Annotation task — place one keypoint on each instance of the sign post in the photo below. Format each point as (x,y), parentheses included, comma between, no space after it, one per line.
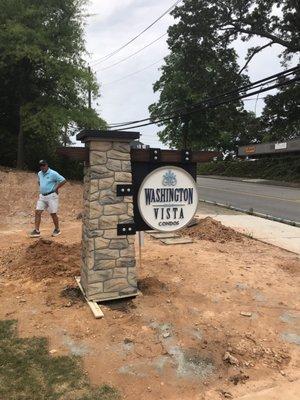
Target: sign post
(127,191)
(141,243)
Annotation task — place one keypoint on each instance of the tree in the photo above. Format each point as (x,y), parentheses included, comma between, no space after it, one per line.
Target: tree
(275,21)
(201,65)
(44,77)
(280,117)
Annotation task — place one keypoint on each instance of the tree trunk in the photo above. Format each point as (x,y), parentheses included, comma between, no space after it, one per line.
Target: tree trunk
(20,155)
(65,136)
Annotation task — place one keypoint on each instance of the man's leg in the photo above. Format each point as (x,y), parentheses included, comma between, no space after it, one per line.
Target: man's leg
(53,208)
(38,214)
(55,220)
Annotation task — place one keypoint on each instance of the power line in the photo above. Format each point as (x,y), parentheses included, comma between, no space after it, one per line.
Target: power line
(107,56)
(119,124)
(201,103)
(133,73)
(254,99)
(212,105)
(252,85)
(133,54)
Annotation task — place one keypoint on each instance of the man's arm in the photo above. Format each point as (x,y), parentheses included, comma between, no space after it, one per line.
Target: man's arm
(60,181)
(59,185)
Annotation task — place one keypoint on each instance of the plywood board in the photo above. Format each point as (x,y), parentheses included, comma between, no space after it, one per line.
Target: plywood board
(176,241)
(164,235)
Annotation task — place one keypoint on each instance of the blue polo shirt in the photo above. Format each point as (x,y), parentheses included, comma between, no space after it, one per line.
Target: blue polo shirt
(48,180)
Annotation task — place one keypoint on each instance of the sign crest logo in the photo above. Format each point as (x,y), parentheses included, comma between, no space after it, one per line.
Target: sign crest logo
(169,179)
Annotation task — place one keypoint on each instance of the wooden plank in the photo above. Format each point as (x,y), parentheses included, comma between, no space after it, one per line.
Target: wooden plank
(142,155)
(96,310)
(176,241)
(164,235)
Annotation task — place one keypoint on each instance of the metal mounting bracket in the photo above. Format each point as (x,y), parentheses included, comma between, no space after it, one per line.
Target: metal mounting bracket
(126,229)
(155,155)
(186,156)
(124,190)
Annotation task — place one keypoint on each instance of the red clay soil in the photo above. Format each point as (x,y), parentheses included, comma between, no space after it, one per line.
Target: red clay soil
(212,230)
(19,193)
(42,259)
(151,285)
(217,318)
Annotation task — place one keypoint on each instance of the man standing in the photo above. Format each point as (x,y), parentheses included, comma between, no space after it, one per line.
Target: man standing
(49,182)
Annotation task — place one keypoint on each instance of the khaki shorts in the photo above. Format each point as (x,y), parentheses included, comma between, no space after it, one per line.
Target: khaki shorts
(49,203)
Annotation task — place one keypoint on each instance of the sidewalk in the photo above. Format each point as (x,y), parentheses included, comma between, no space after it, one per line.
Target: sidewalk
(285,236)
(252,180)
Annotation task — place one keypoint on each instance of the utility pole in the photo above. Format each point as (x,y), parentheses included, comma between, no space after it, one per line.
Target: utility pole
(89,90)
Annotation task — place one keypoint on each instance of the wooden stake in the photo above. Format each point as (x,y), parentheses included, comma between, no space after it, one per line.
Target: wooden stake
(96,310)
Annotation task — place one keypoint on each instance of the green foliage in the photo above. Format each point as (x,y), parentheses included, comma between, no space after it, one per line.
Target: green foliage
(277,21)
(203,64)
(44,79)
(281,169)
(8,329)
(281,115)
(28,372)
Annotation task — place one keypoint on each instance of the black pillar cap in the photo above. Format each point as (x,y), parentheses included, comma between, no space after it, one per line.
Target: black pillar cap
(95,134)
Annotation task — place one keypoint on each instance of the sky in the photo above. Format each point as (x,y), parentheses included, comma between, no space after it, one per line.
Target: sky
(126,95)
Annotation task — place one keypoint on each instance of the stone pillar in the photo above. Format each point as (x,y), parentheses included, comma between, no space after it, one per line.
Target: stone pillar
(108,270)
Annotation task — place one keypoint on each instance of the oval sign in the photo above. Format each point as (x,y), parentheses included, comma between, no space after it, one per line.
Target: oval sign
(168,199)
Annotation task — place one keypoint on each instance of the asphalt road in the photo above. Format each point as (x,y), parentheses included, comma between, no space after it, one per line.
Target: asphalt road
(278,201)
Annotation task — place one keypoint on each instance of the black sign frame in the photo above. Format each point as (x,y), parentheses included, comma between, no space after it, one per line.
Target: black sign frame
(140,169)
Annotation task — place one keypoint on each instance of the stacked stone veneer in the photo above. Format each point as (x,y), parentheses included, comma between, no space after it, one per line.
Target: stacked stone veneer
(108,270)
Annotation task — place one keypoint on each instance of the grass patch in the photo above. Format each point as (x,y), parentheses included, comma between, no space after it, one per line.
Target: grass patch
(8,329)
(29,372)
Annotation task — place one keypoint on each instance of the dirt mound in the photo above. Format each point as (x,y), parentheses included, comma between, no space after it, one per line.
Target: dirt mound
(122,305)
(210,229)
(19,193)
(72,293)
(42,259)
(151,285)
(291,266)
